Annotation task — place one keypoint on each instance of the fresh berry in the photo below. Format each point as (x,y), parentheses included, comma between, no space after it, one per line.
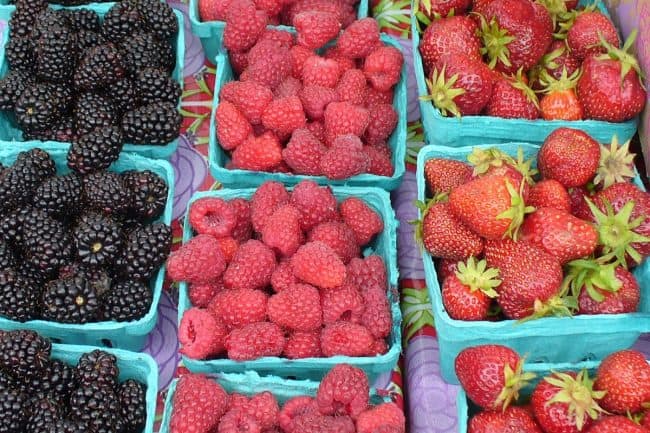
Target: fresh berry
(382,416)
(442,175)
(339,237)
(376,316)
(343,391)
(316,263)
(296,308)
(616,424)
(368,273)
(557,157)
(284,115)
(383,120)
(251,267)
(198,261)
(232,127)
(315,28)
(303,152)
(549,193)
(316,204)
(243,227)
(261,153)
(315,99)
(254,341)
(362,219)
(200,334)
(604,292)
(239,307)
(347,339)
(625,378)
(201,294)
(250,98)
(213,10)
(584,36)
(319,71)
(467,293)
(343,118)
(199,403)
(512,99)
(294,408)
(352,87)
(244,25)
(359,39)
(449,35)
(513,418)
(345,158)
(302,345)
(383,67)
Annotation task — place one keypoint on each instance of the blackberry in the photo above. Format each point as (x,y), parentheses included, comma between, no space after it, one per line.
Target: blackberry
(98,368)
(155,85)
(24,353)
(149,193)
(123,95)
(46,243)
(7,381)
(49,21)
(42,413)
(56,382)
(98,240)
(21,23)
(13,414)
(105,191)
(96,150)
(11,225)
(71,300)
(37,108)
(38,160)
(98,278)
(34,7)
(127,301)
(98,407)
(64,130)
(55,55)
(83,19)
(157,123)
(59,196)
(145,251)
(93,111)
(7,257)
(64,95)
(144,50)
(33,275)
(12,87)
(121,21)
(159,18)
(99,67)
(130,222)
(18,298)
(133,405)
(87,39)
(65,426)
(20,54)
(20,181)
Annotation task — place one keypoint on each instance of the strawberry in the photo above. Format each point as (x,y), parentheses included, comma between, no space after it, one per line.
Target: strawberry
(579,205)
(342,118)
(616,164)
(282,230)
(315,28)
(383,67)
(560,101)
(251,268)
(352,87)
(616,424)
(491,375)
(364,221)
(513,419)
(284,115)
(232,126)
(511,98)
(445,268)
(467,294)
(289,87)
(558,57)
(339,237)
(316,204)
(444,8)
(610,88)
(213,10)
(608,289)
(493,162)
(490,206)
(315,99)
(530,279)
(319,71)
(560,234)
(645,422)
(543,16)
(317,264)
(258,153)
(383,120)
(345,158)
(584,36)
(297,308)
(249,97)
(304,152)
(444,236)
(244,26)
(625,378)
(442,175)
(452,35)
(380,160)
(566,402)
(569,156)
(459,85)
(549,193)
(359,39)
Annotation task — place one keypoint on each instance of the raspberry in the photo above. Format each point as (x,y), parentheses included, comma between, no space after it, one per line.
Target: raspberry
(352,87)
(283,277)
(238,421)
(343,391)
(199,403)
(383,67)
(269,63)
(359,39)
(346,338)
(377,315)
(368,273)
(201,294)
(198,261)
(232,127)
(289,87)
(271,7)
(228,247)
(254,341)
(251,268)
(343,118)
(268,197)
(375,97)
(212,216)
(316,423)
(383,120)
(319,71)
(315,29)
(297,308)
(236,308)
(303,345)
(304,152)
(282,231)
(318,129)
(363,220)
(258,153)
(315,99)
(200,334)
(549,193)
(380,163)
(338,237)
(295,408)
(345,158)
(386,414)
(284,115)
(282,36)
(316,204)
(243,227)
(214,10)
(331,6)
(317,264)
(379,348)
(345,63)
(249,97)
(344,303)
(263,407)
(237,401)
(238,61)
(299,56)
(244,26)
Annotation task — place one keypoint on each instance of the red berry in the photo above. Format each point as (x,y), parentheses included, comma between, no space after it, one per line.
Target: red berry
(254,341)
(352,87)
(232,127)
(318,129)
(345,63)
(269,63)
(283,278)
(317,264)
(347,339)
(250,98)
(549,193)
(359,39)
(243,227)
(236,308)
(296,308)
(374,97)
(294,408)
(345,158)
(383,67)
(377,315)
(383,415)
(344,303)
(318,71)
(282,36)
(264,408)
(289,87)
(244,26)
(238,61)
(343,391)
(380,162)
(299,56)
(339,237)
(362,219)
(380,347)
(368,273)
(201,294)
(342,118)
(251,268)
(200,334)
(272,8)
(303,345)
(383,120)
(198,403)
(304,152)
(316,423)
(213,10)
(282,231)
(212,216)
(284,115)
(198,261)
(317,204)
(258,153)
(315,29)
(335,7)
(315,99)
(268,197)
(238,421)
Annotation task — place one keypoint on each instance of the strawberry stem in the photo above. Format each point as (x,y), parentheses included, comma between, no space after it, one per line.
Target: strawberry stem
(578,393)
(495,42)
(442,92)
(616,164)
(516,212)
(483,159)
(627,60)
(515,380)
(593,275)
(477,276)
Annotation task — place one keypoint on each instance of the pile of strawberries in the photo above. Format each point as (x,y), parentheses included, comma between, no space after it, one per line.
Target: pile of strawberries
(295,111)
(496,58)
(614,401)
(561,245)
(341,405)
(283,274)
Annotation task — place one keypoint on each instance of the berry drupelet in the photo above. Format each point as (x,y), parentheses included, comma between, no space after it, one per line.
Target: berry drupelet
(96,150)
(59,196)
(157,123)
(98,239)
(18,297)
(132,395)
(24,353)
(149,193)
(146,249)
(98,367)
(70,300)
(105,191)
(127,301)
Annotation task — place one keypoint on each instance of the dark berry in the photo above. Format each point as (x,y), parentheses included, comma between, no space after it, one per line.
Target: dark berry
(133,405)
(83,19)
(98,407)
(55,55)
(63,130)
(155,85)
(149,193)
(99,67)
(21,23)
(98,368)
(144,50)
(43,412)
(123,95)
(71,300)
(37,108)
(7,256)
(66,426)
(46,243)
(91,111)
(11,225)
(159,18)
(13,411)
(98,278)
(18,298)
(20,54)
(59,196)
(105,191)
(87,39)
(157,123)
(146,249)
(121,21)
(56,382)
(96,150)
(24,353)
(12,87)
(98,239)
(127,301)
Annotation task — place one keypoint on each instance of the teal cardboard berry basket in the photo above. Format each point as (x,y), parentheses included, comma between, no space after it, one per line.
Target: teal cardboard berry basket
(245,179)
(472,130)
(123,335)
(250,383)
(10,132)
(552,339)
(137,366)
(211,32)
(385,245)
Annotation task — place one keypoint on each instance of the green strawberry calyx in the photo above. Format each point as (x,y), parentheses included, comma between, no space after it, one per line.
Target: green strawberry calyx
(593,275)
(616,164)
(566,20)
(442,92)
(495,42)
(525,167)
(514,381)
(616,232)
(516,212)
(555,8)
(482,159)
(627,60)
(551,84)
(555,306)
(477,276)
(578,394)
(517,81)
